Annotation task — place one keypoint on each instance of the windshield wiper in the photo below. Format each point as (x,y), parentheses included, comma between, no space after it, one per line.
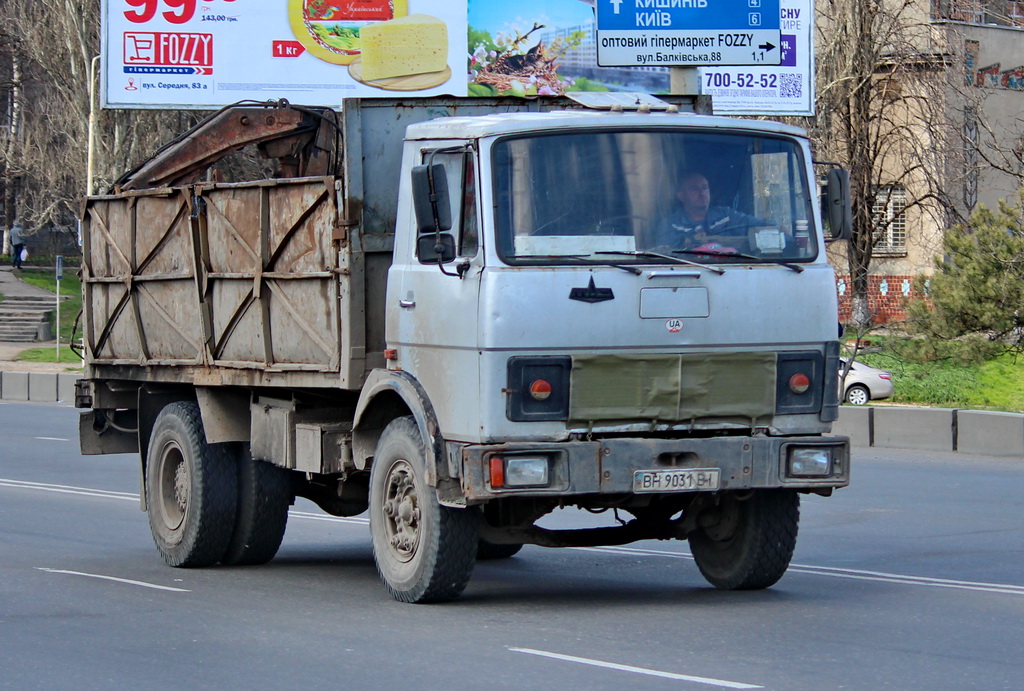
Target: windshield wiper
(739,255)
(659,255)
(583,260)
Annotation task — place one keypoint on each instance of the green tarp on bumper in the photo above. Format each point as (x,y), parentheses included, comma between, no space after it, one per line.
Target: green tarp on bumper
(671,388)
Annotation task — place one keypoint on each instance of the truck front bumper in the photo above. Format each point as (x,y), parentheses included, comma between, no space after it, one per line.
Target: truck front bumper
(616,466)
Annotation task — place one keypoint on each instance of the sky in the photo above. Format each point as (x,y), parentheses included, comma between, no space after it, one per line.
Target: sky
(500,15)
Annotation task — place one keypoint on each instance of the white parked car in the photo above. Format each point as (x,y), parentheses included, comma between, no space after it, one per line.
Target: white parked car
(864,383)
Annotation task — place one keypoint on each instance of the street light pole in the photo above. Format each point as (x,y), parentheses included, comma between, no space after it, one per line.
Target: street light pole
(91,159)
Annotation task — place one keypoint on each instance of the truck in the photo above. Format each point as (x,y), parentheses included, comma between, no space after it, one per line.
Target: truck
(457,315)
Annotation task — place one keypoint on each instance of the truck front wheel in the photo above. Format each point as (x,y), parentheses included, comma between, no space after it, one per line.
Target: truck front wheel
(424,552)
(191,488)
(746,543)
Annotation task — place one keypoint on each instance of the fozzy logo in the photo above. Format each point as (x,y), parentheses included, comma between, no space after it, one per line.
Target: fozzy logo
(169,49)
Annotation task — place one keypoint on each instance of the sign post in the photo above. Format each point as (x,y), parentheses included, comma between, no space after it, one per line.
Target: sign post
(56,326)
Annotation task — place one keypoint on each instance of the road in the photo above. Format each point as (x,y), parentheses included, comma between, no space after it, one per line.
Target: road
(911,578)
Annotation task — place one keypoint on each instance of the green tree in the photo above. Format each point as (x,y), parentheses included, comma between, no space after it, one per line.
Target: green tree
(977,292)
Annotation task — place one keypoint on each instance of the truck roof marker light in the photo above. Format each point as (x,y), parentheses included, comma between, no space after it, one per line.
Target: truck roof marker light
(391,354)
(799,383)
(540,389)
(497,468)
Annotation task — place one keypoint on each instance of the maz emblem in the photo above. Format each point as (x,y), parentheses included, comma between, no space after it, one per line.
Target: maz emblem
(591,293)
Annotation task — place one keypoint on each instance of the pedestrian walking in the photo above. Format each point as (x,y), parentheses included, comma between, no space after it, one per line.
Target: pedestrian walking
(17,243)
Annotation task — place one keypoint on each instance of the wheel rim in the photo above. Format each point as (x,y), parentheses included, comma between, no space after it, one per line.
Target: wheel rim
(857,396)
(722,524)
(174,487)
(401,509)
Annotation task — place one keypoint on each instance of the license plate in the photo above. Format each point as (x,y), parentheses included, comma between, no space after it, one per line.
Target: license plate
(677,480)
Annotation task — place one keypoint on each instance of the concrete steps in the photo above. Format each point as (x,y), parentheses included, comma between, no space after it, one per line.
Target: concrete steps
(24,319)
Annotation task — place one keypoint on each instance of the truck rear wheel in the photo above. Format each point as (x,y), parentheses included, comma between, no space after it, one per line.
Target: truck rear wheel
(746,544)
(191,489)
(424,552)
(264,495)
(487,551)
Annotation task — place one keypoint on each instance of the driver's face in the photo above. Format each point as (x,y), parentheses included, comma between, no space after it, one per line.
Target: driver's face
(695,194)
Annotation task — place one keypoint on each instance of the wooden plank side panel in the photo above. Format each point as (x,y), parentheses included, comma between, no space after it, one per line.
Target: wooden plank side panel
(140,289)
(237,327)
(114,335)
(304,305)
(233,257)
(272,284)
(105,271)
(165,290)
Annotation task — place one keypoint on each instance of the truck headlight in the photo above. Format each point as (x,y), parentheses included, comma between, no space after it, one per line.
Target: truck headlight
(810,462)
(519,471)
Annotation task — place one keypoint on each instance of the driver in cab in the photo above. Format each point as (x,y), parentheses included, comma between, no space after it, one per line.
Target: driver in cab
(694,220)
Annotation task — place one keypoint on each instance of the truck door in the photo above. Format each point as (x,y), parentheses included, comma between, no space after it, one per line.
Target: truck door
(435,325)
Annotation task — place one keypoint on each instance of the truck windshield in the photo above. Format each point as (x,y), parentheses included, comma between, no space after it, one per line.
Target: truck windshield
(648,196)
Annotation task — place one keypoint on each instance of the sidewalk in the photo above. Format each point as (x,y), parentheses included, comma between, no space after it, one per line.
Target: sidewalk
(12,286)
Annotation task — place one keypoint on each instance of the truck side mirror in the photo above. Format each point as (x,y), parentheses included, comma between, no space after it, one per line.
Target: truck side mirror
(836,207)
(430,198)
(433,248)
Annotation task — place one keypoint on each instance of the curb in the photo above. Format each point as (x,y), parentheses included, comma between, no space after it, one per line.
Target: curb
(39,387)
(934,429)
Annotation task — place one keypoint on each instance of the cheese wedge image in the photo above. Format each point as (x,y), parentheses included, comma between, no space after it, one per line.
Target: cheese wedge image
(414,44)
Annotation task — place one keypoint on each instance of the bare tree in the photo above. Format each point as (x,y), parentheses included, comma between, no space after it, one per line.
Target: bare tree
(888,100)
(10,88)
(50,45)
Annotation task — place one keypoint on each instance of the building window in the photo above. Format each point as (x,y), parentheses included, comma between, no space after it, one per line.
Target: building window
(972,11)
(889,219)
(1015,12)
(998,12)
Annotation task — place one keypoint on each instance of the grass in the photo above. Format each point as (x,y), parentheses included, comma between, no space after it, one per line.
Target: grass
(996,384)
(49,354)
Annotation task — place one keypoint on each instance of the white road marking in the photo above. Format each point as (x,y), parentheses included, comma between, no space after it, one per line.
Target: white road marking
(851,574)
(330,519)
(52,439)
(856,574)
(64,489)
(828,571)
(127,581)
(637,670)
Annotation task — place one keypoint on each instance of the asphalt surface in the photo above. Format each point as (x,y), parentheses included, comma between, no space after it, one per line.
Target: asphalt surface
(911,578)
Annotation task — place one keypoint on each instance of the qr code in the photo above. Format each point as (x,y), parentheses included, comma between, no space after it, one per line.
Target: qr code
(791,86)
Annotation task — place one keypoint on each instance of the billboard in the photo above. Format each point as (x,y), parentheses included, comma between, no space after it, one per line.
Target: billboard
(208,53)
(204,55)
(785,89)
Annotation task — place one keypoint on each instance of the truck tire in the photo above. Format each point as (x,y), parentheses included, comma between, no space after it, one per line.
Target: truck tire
(424,552)
(746,544)
(488,551)
(191,488)
(264,495)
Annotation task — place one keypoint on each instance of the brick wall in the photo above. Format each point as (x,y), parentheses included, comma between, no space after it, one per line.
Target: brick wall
(886,297)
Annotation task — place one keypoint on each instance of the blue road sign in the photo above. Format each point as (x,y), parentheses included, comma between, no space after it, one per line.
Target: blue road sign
(688,32)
